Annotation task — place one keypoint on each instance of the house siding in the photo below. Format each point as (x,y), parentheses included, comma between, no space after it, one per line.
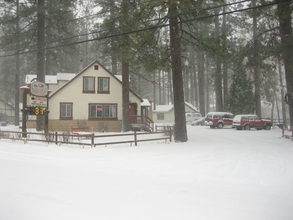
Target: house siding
(8,109)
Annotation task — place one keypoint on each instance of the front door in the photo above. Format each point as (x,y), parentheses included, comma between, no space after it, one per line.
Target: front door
(132,112)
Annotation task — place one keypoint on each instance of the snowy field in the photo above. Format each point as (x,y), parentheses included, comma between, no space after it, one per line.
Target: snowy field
(218,174)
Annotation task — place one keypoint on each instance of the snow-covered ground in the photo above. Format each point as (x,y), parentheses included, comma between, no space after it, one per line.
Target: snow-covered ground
(218,174)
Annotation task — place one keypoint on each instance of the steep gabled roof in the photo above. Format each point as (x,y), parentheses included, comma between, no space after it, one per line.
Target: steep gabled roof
(86,68)
(191,106)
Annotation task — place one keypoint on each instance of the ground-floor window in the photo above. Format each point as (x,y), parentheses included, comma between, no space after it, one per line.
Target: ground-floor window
(108,111)
(66,111)
(160,116)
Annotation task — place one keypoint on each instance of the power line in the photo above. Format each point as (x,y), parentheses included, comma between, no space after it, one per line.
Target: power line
(149,28)
(154,20)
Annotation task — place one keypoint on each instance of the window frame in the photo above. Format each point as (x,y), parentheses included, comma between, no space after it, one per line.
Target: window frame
(160,116)
(104,107)
(71,111)
(101,91)
(83,84)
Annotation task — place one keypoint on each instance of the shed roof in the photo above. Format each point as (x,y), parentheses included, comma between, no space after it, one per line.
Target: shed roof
(167,108)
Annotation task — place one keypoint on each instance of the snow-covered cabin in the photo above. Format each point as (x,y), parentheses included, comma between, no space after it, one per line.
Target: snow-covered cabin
(165,113)
(92,98)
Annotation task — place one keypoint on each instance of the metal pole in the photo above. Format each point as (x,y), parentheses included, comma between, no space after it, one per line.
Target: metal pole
(24,106)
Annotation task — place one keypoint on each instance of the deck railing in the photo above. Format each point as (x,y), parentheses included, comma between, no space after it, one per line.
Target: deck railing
(142,122)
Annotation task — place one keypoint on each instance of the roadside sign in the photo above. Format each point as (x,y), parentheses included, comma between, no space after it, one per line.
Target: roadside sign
(33,101)
(39,89)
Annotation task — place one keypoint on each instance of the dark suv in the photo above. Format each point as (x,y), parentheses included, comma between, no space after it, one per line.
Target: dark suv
(251,121)
(219,119)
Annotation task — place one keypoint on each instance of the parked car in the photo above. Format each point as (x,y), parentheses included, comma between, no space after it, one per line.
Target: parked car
(200,121)
(251,121)
(191,116)
(219,119)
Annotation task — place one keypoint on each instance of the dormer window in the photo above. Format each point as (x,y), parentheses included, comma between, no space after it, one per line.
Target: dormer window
(104,85)
(88,84)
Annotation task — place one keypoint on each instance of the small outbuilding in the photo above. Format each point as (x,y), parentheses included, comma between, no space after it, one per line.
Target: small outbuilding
(165,113)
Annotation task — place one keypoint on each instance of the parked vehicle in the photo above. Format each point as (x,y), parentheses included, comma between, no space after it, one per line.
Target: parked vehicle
(191,116)
(200,121)
(219,119)
(251,121)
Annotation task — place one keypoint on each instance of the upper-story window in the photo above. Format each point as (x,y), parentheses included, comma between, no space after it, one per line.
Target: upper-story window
(103,85)
(88,84)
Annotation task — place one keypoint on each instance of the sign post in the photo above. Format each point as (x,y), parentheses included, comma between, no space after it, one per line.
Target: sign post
(35,102)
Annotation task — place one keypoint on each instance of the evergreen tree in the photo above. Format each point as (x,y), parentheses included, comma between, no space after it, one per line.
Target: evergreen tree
(241,98)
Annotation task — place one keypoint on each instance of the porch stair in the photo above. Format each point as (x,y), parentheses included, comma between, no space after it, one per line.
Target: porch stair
(141,123)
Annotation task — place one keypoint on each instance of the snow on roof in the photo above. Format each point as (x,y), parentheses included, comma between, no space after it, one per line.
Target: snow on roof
(65,76)
(51,79)
(145,102)
(48,79)
(29,78)
(119,77)
(163,108)
(191,106)
(167,108)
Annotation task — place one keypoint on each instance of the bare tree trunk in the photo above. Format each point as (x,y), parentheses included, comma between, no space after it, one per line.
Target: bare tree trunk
(180,132)
(218,78)
(277,107)
(284,12)
(225,64)
(201,83)
(186,86)
(126,126)
(207,89)
(17,72)
(282,94)
(170,89)
(192,78)
(160,87)
(41,54)
(163,88)
(273,106)
(113,44)
(257,84)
